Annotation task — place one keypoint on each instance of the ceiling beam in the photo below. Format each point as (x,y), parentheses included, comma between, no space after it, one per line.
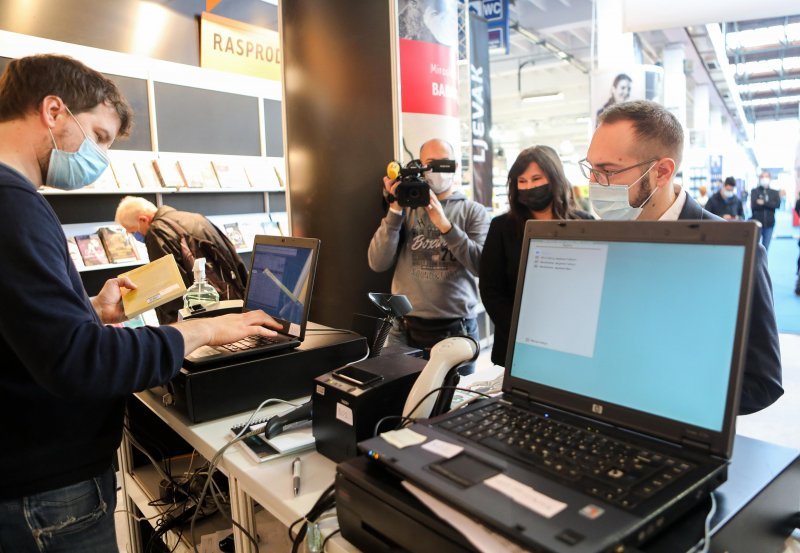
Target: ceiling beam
(732,27)
(761,54)
(767,77)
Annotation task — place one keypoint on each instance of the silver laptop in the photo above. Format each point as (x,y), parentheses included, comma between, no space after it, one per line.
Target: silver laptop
(280,283)
(620,393)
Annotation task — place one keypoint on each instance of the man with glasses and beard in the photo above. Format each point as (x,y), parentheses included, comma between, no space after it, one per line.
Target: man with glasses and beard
(631,163)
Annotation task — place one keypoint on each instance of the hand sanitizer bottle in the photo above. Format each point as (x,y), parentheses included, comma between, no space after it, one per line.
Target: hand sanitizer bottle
(200,294)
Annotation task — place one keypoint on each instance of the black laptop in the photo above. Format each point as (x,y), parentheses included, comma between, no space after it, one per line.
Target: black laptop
(280,283)
(620,393)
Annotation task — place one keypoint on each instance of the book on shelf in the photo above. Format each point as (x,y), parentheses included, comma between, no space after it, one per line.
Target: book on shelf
(125,173)
(118,244)
(91,248)
(230,174)
(168,173)
(249,230)
(281,218)
(157,283)
(105,181)
(235,234)
(75,253)
(141,250)
(271,228)
(147,174)
(260,174)
(280,172)
(198,173)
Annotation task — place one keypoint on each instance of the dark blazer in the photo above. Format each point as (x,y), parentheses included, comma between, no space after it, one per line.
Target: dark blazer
(765,212)
(498,278)
(762,365)
(721,206)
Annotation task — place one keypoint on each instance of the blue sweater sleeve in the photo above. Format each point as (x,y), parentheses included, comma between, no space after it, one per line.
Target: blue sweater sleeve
(48,322)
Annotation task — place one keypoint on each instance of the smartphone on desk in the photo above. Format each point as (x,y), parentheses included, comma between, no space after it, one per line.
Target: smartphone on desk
(354,375)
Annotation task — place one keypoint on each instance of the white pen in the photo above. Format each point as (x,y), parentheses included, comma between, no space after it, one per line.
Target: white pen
(296,475)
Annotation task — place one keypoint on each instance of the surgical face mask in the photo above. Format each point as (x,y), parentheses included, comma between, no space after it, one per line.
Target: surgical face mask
(764,182)
(439,182)
(72,170)
(536,199)
(727,193)
(611,202)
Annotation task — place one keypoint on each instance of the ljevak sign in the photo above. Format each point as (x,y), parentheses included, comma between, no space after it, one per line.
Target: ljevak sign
(495,12)
(481,111)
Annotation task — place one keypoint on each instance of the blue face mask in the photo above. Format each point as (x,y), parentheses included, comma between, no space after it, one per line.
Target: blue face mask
(72,170)
(138,236)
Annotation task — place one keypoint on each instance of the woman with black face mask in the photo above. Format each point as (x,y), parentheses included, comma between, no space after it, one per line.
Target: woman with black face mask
(537,189)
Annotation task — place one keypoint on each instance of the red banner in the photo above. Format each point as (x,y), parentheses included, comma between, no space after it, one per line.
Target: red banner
(429,82)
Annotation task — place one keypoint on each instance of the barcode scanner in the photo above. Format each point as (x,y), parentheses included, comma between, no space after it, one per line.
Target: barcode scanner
(279,423)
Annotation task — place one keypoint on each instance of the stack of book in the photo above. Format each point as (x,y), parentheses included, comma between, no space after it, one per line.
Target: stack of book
(107,245)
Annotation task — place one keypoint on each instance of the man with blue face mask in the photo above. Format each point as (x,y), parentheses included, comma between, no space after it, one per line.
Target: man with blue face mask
(64,369)
(631,163)
(724,203)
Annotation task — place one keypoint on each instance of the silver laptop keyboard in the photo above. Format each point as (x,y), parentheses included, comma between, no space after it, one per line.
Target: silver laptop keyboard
(601,466)
(250,342)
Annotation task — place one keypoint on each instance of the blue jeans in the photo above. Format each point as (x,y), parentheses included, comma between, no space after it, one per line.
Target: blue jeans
(766,236)
(76,518)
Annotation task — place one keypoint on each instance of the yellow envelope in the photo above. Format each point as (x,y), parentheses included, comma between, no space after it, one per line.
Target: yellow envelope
(157,283)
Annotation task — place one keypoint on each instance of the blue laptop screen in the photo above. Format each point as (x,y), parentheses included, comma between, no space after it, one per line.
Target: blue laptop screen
(279,282)
(642,325)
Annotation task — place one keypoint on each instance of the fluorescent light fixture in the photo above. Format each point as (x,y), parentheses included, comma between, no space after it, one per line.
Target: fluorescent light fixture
(536,98)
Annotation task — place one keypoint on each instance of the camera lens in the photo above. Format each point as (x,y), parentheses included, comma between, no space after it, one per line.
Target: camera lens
(413,193)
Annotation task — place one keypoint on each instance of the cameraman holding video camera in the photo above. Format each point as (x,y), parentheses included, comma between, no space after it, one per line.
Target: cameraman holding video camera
(437,246)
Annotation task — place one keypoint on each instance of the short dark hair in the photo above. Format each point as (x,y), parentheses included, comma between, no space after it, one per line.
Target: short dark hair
(27,81)
(658,129)
(730,181)
(548,161)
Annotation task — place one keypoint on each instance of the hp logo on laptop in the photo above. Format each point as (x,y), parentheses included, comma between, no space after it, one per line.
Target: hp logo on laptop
(597,408)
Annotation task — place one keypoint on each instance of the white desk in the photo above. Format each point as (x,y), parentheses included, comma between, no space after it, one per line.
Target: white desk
(268,483)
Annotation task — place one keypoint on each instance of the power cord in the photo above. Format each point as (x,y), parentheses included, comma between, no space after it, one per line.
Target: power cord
(704,544)
(325,502)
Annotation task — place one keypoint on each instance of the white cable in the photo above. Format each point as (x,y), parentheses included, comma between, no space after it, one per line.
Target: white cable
(705,543)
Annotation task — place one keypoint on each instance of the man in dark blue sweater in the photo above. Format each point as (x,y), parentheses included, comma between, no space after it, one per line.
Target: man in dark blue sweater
(65,375)
(638,146)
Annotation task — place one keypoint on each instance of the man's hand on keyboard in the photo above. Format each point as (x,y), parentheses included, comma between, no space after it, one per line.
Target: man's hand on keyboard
(214,331)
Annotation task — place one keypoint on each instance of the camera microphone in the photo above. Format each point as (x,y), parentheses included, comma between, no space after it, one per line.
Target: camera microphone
(393,170)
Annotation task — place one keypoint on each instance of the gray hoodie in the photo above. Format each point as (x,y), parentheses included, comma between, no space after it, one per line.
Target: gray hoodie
(436,271)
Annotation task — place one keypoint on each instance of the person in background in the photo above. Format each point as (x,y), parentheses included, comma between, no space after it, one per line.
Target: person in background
(187,236)
(620,92)
(631,164)
(435,251)
(725,204)
(66,373)
(537,189)
(763,203)
(702,195)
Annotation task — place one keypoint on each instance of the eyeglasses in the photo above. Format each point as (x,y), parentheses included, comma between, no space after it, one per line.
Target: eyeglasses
(604,177)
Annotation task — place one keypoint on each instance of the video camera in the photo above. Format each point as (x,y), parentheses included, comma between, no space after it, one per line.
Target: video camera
(413,191)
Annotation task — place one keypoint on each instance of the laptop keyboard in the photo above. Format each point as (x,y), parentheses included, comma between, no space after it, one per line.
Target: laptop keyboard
(617,472)
(251,342)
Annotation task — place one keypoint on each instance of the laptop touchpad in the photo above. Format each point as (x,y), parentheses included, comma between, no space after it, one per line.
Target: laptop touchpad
(464,470)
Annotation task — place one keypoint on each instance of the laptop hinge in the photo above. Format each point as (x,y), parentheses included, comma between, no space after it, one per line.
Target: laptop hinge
(520,394)
(694,444)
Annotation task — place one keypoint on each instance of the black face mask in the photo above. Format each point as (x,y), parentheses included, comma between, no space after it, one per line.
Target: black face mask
(537,198)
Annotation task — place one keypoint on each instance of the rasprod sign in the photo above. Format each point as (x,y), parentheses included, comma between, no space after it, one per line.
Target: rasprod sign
(233,46)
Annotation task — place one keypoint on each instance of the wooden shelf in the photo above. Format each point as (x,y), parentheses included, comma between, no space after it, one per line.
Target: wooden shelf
(166,191)
(105,266)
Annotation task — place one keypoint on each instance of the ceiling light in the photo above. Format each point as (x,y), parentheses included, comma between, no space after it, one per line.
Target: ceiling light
(536,98)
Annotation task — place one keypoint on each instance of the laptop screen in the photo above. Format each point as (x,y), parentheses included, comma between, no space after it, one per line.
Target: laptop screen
(280,281)
(648,326)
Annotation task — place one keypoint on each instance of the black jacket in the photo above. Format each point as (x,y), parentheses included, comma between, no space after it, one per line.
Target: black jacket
(720,206)
(764,212)
(162,239)
(498,278)
(762,384)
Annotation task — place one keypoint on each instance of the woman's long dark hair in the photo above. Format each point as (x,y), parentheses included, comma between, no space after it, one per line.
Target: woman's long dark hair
(548,161)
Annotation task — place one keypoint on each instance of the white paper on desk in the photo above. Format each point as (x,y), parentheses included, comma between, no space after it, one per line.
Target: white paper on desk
(479,536)
(293,440)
